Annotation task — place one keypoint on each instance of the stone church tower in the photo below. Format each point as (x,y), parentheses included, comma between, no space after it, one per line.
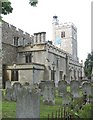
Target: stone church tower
(65,37)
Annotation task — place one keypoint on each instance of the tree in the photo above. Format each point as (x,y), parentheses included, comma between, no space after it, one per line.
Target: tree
(7,8)
(33,2)
(88,65)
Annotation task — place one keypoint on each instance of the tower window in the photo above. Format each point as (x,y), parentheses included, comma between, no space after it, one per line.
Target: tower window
(62,34)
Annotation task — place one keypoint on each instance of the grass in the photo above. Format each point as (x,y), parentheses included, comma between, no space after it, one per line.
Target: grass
(9,108)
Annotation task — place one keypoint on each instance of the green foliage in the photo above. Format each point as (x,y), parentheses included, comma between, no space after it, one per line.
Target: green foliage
(9,108)
(33,3)
(6,8)
(88,65)
(86,111)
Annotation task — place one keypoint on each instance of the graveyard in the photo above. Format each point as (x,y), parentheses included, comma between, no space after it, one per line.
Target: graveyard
(74,100)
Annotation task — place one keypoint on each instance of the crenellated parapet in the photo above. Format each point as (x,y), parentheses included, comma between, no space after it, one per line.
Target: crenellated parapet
(14,36)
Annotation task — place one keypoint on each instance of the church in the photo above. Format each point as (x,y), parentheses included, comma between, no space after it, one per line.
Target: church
(32,59)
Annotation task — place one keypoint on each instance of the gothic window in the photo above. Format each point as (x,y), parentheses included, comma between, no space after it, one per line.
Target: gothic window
(14,75)
(28,58)
(53,75)
(15,41)
(62,34)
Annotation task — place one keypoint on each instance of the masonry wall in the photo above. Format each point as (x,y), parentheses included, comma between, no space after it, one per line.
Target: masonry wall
(9,32)
(9,54)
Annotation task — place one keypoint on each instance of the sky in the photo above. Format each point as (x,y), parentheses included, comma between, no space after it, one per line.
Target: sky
(39,19)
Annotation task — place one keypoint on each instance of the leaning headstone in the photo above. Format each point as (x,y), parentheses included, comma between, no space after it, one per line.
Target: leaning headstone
(62,87)
(28,103)
(49,93)
(8,84)
(75,90)
(86,88)
(16,88)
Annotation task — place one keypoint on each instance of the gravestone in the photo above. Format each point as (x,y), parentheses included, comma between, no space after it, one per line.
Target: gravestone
(28,103)
(8,95)
(75,90)
(16,88)
(8,84)
(66,99)
(49,93)
(41,87)
(62,87)
(86,88)
(91,98)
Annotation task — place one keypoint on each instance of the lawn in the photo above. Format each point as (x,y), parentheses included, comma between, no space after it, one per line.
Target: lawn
(9,108)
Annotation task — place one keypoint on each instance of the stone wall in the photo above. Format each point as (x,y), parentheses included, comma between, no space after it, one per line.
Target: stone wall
(31,73)
(9,54)
(9,32)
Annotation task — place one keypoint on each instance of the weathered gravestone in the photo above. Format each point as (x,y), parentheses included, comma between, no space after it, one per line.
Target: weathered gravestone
(66,99)
(41,87)
(16,88)
(75,90)
(8,84)
(91,97)
(86,88)
(62,87)
(8,95)
(49,93)
(28,103)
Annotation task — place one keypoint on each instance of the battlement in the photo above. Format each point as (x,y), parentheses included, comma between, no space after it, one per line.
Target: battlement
(66,25)
(15,29)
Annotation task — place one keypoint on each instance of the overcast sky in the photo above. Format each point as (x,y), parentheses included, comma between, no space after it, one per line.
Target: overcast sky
(38,19)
